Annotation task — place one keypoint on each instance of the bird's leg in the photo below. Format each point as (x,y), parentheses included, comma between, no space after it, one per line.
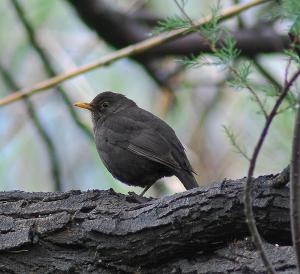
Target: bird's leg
(145,189)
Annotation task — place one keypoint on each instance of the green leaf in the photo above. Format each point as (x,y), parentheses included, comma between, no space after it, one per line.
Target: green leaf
(295,28)
(291,54)
(212,30)
(169,24)
(240,79)
(228,52)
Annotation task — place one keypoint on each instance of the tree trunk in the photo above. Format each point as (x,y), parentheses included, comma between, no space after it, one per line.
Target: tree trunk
(198,231)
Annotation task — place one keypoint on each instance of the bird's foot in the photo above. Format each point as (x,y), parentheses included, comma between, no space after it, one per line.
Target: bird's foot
(135,198)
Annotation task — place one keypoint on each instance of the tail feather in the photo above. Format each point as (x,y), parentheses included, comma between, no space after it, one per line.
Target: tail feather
(187,179)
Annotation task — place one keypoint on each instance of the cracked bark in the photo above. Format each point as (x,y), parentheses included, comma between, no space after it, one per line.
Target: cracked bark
(197,231)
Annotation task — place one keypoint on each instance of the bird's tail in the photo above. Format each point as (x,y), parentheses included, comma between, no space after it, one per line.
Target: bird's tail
(187,179)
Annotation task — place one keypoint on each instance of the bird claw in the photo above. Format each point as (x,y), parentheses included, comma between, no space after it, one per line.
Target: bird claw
(135,198)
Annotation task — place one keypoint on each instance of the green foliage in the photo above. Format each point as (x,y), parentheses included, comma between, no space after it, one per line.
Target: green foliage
(289,10)
(291,54)
(227,53)
(292,99)
(224,53)
(212,30)
(233,140)
(241,79)
(223,56)
(171,23)
(295,28)
(191,61)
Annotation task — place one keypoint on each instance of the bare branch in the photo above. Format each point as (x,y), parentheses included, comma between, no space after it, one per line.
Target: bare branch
(295,171)
(295,189)
(125,52)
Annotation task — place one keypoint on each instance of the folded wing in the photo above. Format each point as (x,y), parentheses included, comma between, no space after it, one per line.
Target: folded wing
(153,147)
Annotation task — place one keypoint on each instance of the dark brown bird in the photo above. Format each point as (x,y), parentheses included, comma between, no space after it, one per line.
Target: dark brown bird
(136,147)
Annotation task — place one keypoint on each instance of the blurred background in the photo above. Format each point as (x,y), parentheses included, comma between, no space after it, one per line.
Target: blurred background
(46,144)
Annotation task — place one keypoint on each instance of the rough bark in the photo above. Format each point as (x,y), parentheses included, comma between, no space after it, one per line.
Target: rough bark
(105,232)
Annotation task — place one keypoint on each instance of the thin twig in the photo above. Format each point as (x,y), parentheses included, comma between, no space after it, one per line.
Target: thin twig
(240,20)
(125,52)
(294,173)
(248,186)
(286,72)
(266,74)
(241,26)
(30,31)
(187,17)
(194,26)
(253,92)
(46,139)
(275,84)
(233,140)
(295,189)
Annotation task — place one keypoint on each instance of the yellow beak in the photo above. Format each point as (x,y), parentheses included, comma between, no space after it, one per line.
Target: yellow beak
(84,105)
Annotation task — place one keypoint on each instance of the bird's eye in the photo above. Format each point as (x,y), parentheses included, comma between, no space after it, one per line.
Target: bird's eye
(104,105)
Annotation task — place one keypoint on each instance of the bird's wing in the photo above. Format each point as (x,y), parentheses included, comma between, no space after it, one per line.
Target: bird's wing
(150,145)
(146,135)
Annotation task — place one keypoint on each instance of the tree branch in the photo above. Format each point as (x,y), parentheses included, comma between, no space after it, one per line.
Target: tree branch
(102,17)
(295,189)
(295,169)
(106,232)
(131,50)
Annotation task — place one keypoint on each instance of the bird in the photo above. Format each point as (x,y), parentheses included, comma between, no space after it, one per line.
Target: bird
(136,147)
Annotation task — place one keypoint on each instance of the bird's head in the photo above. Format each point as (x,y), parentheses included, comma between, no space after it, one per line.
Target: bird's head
(106,103)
